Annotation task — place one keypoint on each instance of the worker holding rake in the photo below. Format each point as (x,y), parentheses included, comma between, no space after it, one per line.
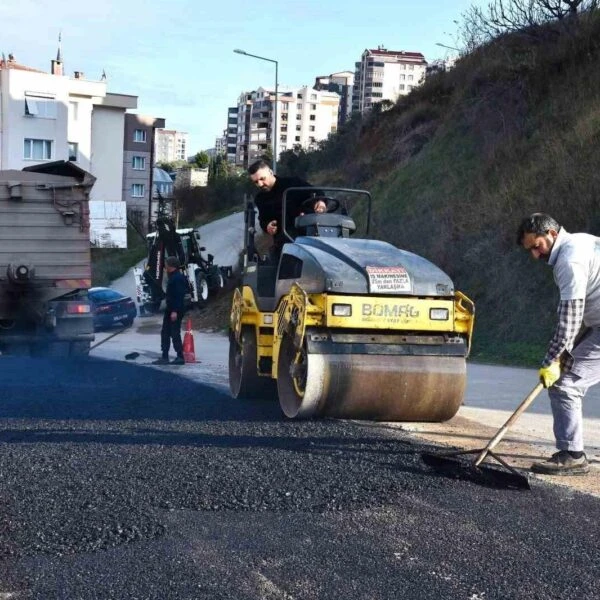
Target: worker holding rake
(572,363)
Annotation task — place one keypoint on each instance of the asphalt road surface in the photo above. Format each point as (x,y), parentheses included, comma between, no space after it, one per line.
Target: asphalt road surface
(122,480)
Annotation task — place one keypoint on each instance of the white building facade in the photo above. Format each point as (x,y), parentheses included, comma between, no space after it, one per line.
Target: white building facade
(46,117)
(386,75)
(305,117)
(342,83)
(170,145)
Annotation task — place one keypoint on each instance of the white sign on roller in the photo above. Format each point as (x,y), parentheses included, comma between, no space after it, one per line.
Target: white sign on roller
(387,280)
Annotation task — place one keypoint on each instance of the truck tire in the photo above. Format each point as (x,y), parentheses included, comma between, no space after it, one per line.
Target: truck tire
(201,289)
(218,283)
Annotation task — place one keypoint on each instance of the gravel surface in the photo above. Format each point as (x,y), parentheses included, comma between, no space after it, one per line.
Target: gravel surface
(126,481)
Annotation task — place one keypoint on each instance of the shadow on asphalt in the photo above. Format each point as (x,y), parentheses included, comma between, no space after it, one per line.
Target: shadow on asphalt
(115,390)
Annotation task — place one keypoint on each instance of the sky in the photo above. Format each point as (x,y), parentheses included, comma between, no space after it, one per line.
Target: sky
(178,58)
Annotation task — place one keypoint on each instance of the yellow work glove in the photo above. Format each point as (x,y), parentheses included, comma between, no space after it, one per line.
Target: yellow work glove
(550,375)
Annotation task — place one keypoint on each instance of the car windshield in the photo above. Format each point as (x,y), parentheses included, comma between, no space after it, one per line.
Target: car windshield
(105,295)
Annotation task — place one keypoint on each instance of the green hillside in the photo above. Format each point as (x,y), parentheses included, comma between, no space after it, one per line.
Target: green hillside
(513,128)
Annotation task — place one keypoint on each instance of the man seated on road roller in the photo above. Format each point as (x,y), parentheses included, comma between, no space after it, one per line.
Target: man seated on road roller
(572,362)
(269,202)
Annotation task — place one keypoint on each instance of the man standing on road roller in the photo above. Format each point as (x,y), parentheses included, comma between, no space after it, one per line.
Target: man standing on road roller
(269,202)
(572,362)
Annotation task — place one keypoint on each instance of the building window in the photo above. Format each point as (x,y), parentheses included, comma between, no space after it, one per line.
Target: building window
(284,116)
(411,67)
(73,151)
(74,110)
(138,163)
(313,107)
(139,135)
(312,117)
(297,138)
(282,128)
(410,77)
(37,149)
(137,190)
(298,127)
(299,105)
(311,128)
(313,96)
(402,77)
(283,139)
(43,107)
(299,96)
(401,86)
(298,117)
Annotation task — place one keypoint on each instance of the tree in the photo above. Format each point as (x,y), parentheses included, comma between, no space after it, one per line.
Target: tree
(217,168)
(480,25)
(169,167)
(202,160)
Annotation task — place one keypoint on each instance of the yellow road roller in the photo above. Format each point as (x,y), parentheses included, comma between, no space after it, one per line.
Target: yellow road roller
(345,326)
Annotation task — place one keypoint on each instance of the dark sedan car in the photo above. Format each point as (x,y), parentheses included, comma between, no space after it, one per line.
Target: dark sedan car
(111,308)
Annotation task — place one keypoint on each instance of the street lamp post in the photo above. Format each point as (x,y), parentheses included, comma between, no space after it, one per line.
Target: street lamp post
(276,128)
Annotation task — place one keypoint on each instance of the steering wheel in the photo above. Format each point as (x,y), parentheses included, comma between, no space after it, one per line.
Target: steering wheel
(332,203)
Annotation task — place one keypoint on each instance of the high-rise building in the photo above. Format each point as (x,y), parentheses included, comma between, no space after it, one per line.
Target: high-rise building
(305,117)
(170,145)
(221,144)
(231,132)
(342,83)
(386,75)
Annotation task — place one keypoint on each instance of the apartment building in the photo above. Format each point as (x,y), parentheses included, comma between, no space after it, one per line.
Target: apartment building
(231,133)
(48,116)
(343,84)
(305,116)
(170,145)
(220,145)
(385,75)
(138,158)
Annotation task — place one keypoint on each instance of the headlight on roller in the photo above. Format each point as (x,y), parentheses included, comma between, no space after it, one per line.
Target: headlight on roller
(438,314)
(342,310)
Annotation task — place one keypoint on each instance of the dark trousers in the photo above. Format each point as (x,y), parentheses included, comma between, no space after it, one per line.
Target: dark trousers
(171,330)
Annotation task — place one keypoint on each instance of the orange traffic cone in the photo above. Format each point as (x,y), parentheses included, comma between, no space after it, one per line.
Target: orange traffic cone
(189,354)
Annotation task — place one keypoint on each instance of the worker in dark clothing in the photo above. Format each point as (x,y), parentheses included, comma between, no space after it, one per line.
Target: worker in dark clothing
(177,288)
(269,202)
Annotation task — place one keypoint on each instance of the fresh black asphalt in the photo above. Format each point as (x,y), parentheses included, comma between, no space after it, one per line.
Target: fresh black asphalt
(125,481)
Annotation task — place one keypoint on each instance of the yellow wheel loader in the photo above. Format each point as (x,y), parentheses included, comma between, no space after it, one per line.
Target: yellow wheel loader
(346,326)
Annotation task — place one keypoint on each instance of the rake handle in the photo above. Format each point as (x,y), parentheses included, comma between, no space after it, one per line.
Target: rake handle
(500,433)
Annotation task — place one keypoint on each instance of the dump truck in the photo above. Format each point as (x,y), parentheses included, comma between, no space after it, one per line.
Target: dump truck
(45,261)
(204,277)
(346,326)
